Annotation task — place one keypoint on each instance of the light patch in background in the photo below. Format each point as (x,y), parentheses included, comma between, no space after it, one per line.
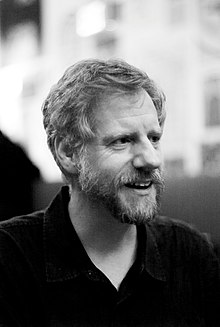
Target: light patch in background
(90,19)
(21,44)
(11,86)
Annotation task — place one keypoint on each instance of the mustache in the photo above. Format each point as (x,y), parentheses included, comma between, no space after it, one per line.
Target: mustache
(135,176)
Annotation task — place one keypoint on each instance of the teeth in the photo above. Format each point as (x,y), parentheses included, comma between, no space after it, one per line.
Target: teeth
(142,184)
(139,185)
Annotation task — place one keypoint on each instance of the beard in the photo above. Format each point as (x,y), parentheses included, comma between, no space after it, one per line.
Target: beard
(124,205)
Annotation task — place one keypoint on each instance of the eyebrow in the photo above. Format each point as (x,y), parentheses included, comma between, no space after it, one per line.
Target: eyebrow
(112,137)
(132,135)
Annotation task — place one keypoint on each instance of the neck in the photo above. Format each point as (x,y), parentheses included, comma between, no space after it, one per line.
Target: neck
(110,244)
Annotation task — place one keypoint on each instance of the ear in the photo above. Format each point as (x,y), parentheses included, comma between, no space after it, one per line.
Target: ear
(67,160)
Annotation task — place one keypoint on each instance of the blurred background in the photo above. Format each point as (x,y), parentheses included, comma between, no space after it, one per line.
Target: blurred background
(177,42)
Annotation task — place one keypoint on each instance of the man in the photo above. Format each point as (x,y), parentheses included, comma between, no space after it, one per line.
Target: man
(100,255)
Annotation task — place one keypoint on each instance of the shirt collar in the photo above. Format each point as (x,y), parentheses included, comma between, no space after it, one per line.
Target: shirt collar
(153,261)
(60,240)
(65,256)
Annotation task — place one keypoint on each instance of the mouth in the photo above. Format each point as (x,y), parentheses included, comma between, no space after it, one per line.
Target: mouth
(139,185)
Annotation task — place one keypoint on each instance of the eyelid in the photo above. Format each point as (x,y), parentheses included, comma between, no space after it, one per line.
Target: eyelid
(128,138)
(124,138)
(121,142)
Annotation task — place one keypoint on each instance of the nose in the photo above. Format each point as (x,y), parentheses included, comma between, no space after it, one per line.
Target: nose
(146,156)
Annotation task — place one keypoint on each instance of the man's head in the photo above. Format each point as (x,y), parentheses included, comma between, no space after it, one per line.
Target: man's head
(81,107)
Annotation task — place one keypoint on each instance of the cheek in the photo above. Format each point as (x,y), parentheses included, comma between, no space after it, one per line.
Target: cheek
(111,169)
(109,163)
(114,161)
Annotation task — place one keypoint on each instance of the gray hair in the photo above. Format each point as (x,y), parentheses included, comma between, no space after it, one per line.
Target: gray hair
(69,106)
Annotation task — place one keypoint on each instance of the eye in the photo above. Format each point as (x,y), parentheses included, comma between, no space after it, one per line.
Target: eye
(121,142)
(155,139)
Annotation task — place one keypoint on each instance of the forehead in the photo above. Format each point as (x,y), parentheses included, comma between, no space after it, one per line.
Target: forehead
(125,109)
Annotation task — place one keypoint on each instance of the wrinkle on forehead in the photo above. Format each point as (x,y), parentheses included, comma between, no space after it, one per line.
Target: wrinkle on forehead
(137,104)
(123,114)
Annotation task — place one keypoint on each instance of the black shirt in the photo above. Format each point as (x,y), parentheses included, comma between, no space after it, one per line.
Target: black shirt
(47,278)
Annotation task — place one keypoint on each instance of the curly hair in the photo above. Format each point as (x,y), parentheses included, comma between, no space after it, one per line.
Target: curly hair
(69,106)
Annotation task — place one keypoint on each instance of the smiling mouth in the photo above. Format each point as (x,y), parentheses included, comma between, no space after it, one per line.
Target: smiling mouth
(139,185)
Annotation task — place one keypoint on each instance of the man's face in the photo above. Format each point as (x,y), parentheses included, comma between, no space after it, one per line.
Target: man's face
(121,167)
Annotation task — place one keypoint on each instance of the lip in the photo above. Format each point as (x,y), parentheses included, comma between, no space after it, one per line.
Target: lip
(140,188)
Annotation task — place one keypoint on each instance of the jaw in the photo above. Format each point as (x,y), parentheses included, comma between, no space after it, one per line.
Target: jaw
(138,206)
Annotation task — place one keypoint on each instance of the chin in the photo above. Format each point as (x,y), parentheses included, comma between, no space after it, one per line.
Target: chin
(136,211)
(139,217)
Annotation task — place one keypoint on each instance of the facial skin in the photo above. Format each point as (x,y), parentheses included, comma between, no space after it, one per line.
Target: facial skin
(122,164)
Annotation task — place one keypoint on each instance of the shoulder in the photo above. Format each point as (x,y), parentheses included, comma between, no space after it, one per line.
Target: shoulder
(181,241)
(21,234)
(17,224)
(167,227)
